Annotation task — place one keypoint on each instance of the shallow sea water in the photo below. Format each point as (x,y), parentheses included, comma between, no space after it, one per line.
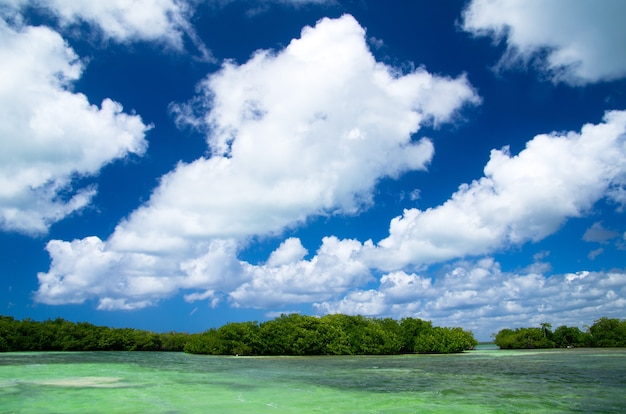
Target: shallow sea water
(480,381)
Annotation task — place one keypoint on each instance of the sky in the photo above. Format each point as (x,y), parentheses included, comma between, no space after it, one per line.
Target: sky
(175,165)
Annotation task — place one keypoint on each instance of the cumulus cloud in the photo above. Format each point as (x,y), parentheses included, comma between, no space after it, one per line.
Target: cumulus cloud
(333,270)
(121,20)
(481,297)
(290,251)
(521,198)
(304,131)
(49,134)
(574,41)
(84,269)
(309,130)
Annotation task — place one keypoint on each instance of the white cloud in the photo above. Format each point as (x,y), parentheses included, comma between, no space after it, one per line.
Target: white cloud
(217,269)
(480,297)
(334,270)
(358,302)
(121,304)
(575,41)
(304,131)
(122,20)
(50,135)
(78,267)
(521,198)
(290,251)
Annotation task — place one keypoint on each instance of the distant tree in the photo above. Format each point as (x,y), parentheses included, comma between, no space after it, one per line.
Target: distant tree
(207,342)
(371,336)
(410,329)
(292,334)
(605,332)
(145,341)
(564,337)
(505,339)
(173,341)
(332,336)
(444,341)
(608,332)
(523,338)
(546,328)
(239,338)
(7,333)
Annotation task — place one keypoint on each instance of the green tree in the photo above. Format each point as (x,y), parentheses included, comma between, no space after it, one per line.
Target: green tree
(444,341)
(410,329)
(239,338)
(332,336)
(293,334)
(505,339)
(608,332)
(564,337)
(207,342)
(173,341)
(371,336)
(7,333)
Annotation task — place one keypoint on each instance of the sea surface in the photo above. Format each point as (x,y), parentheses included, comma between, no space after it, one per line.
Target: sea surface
(479,381)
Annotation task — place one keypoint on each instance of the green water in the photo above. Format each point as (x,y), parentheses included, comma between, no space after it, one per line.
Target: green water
(482,381)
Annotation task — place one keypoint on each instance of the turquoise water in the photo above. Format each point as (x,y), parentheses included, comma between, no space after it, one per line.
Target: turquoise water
(481,381)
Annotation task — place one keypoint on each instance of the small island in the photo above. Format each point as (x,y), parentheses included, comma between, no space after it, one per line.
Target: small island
(334,334)
(605,332)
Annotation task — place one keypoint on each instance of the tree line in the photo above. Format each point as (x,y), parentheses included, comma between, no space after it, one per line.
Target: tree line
(292,334)
(335,334)
(605,332)
(61,335)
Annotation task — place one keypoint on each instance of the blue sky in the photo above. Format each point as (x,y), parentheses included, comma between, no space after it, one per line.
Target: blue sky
(177,165)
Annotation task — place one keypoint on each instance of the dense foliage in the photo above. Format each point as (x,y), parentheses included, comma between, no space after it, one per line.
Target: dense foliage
(605,332)
(62,335)
(286,335)
(337,334)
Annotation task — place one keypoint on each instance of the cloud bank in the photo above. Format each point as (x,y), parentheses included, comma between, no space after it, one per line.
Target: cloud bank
(573,41)
(305,131)
(498,205)
(479,296)
(521,198)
